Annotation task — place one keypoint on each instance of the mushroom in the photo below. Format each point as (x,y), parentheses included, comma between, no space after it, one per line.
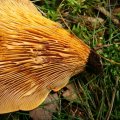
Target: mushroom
(36,56)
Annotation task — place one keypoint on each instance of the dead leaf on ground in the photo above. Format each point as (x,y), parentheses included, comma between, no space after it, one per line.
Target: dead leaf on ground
(116,11)
(92,23)
(108,14)
(70,94)
(46,112)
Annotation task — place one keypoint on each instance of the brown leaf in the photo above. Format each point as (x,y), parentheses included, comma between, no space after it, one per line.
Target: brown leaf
(116,11)
(70,94)
(108,14)
(91,22)
(46,112)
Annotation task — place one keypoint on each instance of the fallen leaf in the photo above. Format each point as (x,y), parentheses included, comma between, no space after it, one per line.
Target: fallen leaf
(70,94)
(46,111)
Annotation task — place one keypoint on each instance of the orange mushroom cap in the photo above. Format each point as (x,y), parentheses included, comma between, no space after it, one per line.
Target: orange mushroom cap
(36,56)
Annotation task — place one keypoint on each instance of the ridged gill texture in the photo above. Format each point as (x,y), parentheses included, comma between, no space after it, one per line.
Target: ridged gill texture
(36,56)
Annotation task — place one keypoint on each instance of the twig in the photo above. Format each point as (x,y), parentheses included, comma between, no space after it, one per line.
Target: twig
(112,101)
(111,61)
(108,14)
(107,45)
(86,103)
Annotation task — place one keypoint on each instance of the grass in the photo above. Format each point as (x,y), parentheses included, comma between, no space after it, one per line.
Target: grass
(98,96)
